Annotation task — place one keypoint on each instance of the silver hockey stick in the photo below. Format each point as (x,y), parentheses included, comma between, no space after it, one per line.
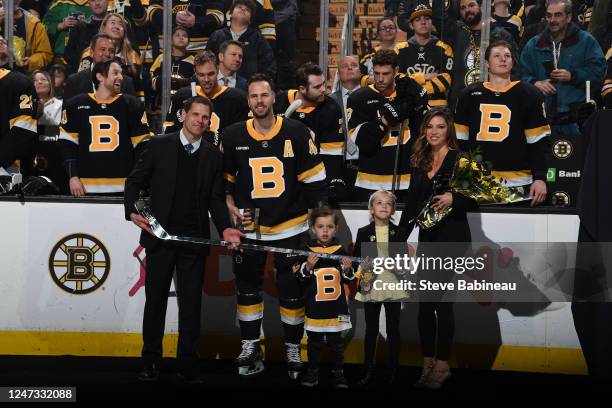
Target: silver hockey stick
(293,107)
(143,209)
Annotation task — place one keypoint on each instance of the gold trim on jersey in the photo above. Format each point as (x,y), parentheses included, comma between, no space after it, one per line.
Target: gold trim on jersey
(535,134)
(250,312)
(260,136)
(317,173)
(4,72)
(283,230)
(292,316)
(138,139)
(506,88)
(69,136)
(326,325)
(381,182)
(103,185)
(107,101)
(462,131)
(291,94)
(332,148)
(437,102)
(229,177)
(26,122)
(213,96)
(393,95)
(514,178)
(326,250)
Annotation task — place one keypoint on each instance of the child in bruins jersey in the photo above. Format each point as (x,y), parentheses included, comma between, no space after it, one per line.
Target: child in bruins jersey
(327,314)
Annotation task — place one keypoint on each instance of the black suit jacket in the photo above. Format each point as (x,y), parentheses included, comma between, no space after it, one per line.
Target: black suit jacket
(156,171)
(81,83)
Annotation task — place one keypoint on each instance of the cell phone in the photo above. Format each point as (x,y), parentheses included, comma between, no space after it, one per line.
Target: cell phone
(79,16)
(549,66)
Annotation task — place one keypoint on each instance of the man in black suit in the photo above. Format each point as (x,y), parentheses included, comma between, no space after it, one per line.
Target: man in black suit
(183,173)
(103,49)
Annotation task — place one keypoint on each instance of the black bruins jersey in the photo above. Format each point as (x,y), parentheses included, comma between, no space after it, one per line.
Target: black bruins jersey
(377,143)
(17,124)
(365,63)
(509,126)
(230,106)
(435,57)
(606,91)
(102,136)
(325,123)
(324,293)
(280,173)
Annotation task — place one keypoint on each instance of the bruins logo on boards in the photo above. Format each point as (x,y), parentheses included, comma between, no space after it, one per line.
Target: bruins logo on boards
(79,263)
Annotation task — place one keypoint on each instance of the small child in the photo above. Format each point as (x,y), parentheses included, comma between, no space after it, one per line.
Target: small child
(382,231)
(327,314)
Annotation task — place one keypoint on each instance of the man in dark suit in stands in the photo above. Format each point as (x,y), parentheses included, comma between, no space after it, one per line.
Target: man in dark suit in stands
(103,50)
(183,173)
(230,60)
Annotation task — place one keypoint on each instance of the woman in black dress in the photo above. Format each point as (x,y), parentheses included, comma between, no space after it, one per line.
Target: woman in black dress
(433,160)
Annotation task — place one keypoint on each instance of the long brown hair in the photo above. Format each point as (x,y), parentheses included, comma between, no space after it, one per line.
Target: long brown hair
(422,156)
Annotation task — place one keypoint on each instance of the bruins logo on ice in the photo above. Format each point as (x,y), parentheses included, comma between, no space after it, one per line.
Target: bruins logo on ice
(79,263)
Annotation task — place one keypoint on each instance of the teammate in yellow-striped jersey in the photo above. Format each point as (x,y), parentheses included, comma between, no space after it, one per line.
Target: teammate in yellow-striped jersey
(101,134)
(506,120)
(274,173)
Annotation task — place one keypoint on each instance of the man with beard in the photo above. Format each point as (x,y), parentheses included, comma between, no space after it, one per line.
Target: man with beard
(230,103)
(464,38)
(272,170)
(322,115)
(101,134)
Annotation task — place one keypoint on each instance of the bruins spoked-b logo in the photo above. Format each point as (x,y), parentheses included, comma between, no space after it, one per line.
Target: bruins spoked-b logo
(560,199)
(562,149)
(79,263)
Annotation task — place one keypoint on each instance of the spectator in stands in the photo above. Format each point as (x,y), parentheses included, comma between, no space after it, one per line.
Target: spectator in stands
(350,77)
(31,46)
(258,55)
(391,7)
(503,17)
(406,7)
(115,26)
(286,13)
(606,92)
(4,53)
(80,35)
(59,75)
(201,17)
(464,38)
(559,62)
(49,109)
(182,64)
(61,17)
(387,34)
(263,17)
(103,49)
(230,61)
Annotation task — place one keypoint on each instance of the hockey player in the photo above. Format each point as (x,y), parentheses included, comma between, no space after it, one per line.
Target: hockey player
(230,103)
(327,314)
(272,169)
(425,58)
(17,124)
(506,119)
(379,126)
(100,134)
(321,114)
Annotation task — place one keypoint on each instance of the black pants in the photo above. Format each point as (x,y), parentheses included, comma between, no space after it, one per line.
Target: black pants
(436,319)
(316,342)
(161,263)
(249,271)
(392,318)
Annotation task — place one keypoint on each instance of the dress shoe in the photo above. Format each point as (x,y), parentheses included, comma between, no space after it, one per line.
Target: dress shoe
(150,372)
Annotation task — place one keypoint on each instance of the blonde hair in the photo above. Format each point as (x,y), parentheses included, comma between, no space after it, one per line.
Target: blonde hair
(389,194)
(126,51)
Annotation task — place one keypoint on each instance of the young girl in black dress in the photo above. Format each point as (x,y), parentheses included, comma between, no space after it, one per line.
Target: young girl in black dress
(433,160)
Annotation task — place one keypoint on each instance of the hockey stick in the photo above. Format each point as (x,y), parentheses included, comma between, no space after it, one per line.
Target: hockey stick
(293,107)
(159,231)
(397,151)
